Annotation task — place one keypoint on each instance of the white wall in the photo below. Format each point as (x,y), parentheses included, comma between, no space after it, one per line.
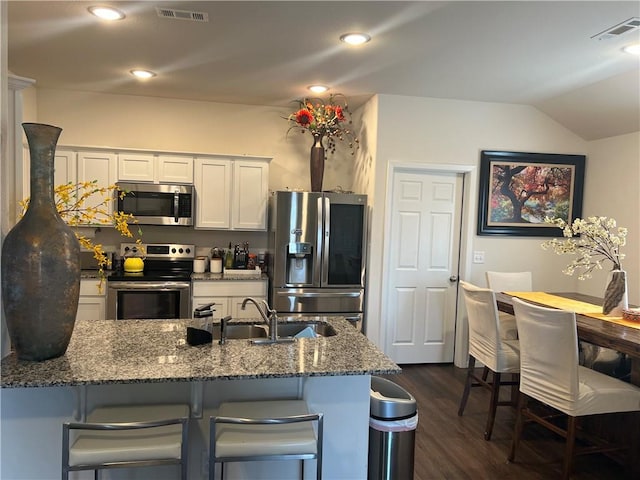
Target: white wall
(91,119)
(612,190)
(440,131)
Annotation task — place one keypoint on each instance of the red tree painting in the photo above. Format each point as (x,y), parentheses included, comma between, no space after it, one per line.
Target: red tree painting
(527,193)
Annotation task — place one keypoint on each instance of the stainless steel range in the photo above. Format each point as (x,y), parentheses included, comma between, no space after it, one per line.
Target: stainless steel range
(161,291)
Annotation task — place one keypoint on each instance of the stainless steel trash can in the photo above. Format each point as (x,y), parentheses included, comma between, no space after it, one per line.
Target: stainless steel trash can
(393,420)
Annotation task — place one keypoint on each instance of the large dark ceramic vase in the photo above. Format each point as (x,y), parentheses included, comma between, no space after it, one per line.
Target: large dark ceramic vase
(316,165)
(40,262)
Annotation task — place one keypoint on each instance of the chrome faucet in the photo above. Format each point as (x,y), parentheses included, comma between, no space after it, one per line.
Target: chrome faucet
(269,316)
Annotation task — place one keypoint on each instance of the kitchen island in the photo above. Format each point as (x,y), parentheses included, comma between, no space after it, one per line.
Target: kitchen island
(149,361)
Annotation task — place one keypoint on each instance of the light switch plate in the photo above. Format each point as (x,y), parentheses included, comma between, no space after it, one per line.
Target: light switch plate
(478,257)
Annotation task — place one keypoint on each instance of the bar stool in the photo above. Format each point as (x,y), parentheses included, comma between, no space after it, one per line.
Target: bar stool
(265,430)
(488,345)
(127,436)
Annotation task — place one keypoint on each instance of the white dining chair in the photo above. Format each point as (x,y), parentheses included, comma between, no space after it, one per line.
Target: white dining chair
(127,436)
(488,345)
(265,430)
(509,282)
(550,373)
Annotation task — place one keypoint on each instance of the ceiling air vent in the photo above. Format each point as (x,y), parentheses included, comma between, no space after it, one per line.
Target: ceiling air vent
(621,29)
(183,14)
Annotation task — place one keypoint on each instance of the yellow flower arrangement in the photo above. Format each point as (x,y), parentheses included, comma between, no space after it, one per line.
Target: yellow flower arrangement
(85,204)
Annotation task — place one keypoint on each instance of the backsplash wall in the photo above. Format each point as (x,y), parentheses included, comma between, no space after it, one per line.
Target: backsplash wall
(204,240)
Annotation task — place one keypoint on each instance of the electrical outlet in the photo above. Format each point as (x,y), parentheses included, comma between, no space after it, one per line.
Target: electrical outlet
(478,257)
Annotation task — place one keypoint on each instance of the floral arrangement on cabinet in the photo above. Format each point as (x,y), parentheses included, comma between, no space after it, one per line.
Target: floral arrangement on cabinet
(330,119)
(85,204)
(594,241)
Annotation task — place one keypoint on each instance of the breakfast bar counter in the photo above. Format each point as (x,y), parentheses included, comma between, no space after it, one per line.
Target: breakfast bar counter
(146,351)
(150,361)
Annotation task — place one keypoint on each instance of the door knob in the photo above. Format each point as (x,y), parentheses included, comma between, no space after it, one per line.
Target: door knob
(453,278)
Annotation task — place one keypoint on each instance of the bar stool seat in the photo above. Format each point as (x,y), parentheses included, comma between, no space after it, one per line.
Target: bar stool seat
(264,430)
(127,436)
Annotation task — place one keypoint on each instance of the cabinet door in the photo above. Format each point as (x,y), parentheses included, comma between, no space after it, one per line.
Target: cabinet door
(101,167)
(136,167)
(249,312)
(65,170)
(91,308)
(213,193)
(250,195)
(221,307)
(92,301)
(174,169)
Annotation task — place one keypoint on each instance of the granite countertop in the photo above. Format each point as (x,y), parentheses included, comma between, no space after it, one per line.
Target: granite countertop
(153,351)
(226,276)
(89,274)
(208,276)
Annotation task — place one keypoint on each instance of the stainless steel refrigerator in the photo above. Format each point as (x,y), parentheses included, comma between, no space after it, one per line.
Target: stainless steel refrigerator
(317,254)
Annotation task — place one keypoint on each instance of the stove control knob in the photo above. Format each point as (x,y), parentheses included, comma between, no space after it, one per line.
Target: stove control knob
(180,250)
(173,250)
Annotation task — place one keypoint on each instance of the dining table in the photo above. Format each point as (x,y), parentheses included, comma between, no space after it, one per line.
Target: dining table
(598,329)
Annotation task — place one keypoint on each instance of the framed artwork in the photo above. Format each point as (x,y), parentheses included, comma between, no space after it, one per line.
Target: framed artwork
(518,190)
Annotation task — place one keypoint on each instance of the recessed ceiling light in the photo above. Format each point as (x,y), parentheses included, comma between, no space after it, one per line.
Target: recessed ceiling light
(142,73)
(318,88)
(633,49)
(106,13)
(355,38)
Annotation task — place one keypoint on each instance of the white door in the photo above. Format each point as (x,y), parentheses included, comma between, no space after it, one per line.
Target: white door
(421,259)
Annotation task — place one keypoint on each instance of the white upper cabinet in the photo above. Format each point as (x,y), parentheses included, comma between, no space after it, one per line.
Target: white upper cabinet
(101,167)
(213,193)
(135,167)
(150,168)
(250,194)
(231,194)
(65,167)
(174,169)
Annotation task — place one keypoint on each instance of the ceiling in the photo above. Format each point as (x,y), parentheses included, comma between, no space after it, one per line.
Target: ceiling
(266,53)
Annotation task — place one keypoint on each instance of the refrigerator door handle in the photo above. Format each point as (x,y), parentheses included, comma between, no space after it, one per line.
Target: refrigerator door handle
(318,253)
(325,241)
(319,294)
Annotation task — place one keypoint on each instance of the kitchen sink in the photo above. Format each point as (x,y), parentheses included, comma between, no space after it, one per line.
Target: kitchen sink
(240,331)
(291,329)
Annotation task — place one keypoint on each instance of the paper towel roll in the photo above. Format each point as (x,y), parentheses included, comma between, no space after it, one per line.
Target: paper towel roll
(199,264)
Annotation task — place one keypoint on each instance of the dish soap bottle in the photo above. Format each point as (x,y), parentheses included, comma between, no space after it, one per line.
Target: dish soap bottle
(228,259)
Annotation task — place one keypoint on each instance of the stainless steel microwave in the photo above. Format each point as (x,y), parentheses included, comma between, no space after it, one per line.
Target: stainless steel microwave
(153,204)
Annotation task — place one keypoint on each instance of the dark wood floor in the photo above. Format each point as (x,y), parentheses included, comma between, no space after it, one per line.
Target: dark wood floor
(452,447)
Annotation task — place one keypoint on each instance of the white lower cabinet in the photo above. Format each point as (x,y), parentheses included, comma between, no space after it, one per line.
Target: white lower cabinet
(228,296)
(92,302)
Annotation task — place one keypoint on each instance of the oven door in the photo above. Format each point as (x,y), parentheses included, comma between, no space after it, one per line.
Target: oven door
(148,300)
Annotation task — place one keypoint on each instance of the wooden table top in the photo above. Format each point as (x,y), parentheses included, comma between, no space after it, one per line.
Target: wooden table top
(601,332)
